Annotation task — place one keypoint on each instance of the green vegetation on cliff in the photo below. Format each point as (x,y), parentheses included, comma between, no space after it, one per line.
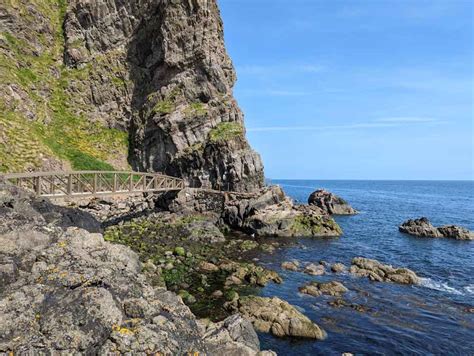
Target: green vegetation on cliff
(226,131)
(39,119)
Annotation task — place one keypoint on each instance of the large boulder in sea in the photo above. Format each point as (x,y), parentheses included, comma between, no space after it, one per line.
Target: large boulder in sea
(423,228)
(330,203)
(377,271)
(278,317)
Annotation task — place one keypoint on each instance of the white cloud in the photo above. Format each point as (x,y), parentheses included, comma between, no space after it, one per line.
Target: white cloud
(412,119)
(379,123)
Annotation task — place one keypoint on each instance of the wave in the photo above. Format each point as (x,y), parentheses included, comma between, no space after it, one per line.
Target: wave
(440,286)
(470,288)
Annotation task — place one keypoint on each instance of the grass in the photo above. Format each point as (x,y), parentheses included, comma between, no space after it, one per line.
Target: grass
(226,131)
(164,107)
(196,109)
(56,128)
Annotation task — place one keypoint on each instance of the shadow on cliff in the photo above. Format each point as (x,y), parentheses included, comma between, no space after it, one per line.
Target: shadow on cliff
(148,144)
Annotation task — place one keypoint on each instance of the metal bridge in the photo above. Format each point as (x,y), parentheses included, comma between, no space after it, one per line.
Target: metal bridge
(92,183)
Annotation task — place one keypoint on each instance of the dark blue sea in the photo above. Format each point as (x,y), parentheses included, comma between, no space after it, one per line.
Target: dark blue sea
(433,318)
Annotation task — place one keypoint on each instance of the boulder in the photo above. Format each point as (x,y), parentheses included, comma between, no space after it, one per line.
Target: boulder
(338,267)
(376,271)
(290,265)
(423,228)
(277,317)
(316,289)
(314,270)
(330,203)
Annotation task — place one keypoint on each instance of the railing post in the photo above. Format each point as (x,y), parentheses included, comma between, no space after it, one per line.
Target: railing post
(38,185)
(130,187)
(94,183)
(69,184)
(114,187)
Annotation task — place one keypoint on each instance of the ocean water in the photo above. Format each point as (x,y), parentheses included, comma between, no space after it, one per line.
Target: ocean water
(431,318)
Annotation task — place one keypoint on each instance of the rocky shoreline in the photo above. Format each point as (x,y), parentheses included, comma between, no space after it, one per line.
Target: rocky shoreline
(197,250)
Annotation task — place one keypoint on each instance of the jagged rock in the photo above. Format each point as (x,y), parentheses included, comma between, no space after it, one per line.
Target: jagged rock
(330,203)
(185,120)
(272,213)
(316,289)
(278,317)
(268,212)
(338,268)
(290,265)
(376,271)
(314,270)
(423,228)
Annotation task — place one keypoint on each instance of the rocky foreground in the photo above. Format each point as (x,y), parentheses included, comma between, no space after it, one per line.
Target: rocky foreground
(423,228)
(65,289)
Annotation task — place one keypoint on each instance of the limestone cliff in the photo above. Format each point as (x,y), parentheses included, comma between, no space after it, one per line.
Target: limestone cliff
(86,76)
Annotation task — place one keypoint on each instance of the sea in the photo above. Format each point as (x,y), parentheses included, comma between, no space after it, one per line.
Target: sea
(433,318)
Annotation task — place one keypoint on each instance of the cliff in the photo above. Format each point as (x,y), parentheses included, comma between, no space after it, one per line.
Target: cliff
(108,84)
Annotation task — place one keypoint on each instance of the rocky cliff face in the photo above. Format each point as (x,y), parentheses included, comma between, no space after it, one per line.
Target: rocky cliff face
(154,71)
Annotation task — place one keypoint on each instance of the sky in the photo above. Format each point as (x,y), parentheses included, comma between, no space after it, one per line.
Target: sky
(355,89)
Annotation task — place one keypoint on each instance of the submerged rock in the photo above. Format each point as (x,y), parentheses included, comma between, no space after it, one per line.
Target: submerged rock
(423,228)
(316,289)
(376,271)
(278,317)
(330,203)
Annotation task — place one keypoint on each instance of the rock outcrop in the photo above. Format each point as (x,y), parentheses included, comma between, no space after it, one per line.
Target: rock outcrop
(278,317)
(423,228)
(330,203)
(66,290)
(376,271)
(316,289)
(93,75)
(267,212)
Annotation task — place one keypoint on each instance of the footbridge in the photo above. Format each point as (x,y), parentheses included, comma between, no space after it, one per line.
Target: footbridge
(92,183)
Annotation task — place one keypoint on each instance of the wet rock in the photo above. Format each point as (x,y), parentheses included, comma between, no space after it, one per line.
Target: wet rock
(339,303)
(316,289)
(291,266)
(249,272)
(338,268)
(423,228)
(208,267)
(314,270)
(376,271)
(330,203)
(277,317)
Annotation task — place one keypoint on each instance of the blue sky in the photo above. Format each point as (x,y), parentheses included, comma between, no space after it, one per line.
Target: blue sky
(355,89)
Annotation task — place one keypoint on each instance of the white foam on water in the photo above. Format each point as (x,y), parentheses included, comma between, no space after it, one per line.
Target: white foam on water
(470,288)
(443,287)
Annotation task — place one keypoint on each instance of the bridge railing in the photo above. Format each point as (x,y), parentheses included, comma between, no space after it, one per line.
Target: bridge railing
(93,183)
